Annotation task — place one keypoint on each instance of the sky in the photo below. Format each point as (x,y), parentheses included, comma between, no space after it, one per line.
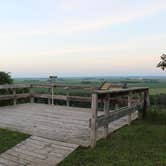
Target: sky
(82,37)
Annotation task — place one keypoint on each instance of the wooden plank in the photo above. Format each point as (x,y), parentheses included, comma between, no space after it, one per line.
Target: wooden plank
(14,96)
(49,153)
(94,108)
(113,116)
(14,86)
(129,105)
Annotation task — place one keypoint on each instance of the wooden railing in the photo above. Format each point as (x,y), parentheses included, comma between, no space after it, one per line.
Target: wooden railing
(134,103)
(136,99)
(48,95)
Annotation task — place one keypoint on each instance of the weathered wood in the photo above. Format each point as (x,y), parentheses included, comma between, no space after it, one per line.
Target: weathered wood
(31,95)
(37,151)
(14,97)
(94,108)
(106,112)
(52,95)
(14,86)
(129,106)
(113,116)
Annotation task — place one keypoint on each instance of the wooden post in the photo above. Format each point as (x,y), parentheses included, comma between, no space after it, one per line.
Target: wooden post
(14,94)
(129,105)
(106,113)
(146,103)
(49,100)
(117,104)
(31,95)
(94,107)
(52,95)
(67,98)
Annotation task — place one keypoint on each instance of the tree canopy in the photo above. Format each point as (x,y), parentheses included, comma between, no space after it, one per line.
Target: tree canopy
(5,78)
(162,63)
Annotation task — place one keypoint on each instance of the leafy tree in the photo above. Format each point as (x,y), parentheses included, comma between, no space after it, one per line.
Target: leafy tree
(5,78)
(162,63)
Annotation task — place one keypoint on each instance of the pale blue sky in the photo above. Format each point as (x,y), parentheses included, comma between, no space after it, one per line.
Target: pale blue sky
(82,37)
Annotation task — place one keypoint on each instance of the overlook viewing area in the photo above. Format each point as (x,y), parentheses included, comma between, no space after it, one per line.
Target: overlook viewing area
(68,121)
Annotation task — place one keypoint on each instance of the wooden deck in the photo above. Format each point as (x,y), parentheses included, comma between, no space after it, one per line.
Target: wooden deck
(37,151)
(61,123)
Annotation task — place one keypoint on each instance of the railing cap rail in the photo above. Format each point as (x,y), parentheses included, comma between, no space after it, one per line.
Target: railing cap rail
(118,91)
(14,86)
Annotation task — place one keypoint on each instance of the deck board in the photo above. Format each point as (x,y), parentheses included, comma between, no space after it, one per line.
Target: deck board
(66,124)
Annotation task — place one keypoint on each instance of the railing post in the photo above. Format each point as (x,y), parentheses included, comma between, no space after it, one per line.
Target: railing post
(52,94)
(129,105)
(67,98)
(146,103)
(14,94)
(106,113)
(94,107)
(31,95)
(49,92)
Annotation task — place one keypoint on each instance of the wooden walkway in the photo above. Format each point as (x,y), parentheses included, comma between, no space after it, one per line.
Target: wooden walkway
(50,126)
(37,151)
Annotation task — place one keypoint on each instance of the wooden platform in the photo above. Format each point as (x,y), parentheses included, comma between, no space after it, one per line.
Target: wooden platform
(66,124)
(37,151)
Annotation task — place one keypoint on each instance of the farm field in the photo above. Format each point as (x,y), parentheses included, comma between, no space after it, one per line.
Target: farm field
(156,85)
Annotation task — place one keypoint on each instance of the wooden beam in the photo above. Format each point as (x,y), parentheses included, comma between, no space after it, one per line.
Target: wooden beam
(14,97)
(94,108)
(146,103)
(129,106)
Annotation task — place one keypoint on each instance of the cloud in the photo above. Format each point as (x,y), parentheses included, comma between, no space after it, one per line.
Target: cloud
(72,25)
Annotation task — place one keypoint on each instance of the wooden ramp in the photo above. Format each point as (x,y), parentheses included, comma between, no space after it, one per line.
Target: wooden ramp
(56,132)
(37,151)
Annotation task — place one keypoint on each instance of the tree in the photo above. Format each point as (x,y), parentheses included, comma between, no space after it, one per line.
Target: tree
(5,78)
(162,63)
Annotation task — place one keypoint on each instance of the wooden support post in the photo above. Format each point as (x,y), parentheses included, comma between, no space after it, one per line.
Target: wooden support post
(117,104)
(129,105)
(31,95)
(106,113)
(52,95)
(49,100)
(94,107)
(146,103)
(67,98)
(14,100)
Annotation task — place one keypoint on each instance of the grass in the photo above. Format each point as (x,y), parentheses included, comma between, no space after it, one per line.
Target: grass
(142,143)
(9,139)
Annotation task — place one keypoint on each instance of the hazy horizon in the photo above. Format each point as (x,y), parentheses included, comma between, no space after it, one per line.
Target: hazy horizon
(82,38)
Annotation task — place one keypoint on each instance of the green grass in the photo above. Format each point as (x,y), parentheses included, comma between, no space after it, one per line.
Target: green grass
(141,144)
(9,139)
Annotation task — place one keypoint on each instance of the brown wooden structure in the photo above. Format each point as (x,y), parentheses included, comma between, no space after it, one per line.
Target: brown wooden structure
(102,113)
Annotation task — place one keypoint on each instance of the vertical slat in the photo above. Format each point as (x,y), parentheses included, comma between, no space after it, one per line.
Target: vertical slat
(31,95)
(94,107)
(49,92)
(67,99)
(129,105)
(52,95)
(14,94)
(106,113)
(117,104)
